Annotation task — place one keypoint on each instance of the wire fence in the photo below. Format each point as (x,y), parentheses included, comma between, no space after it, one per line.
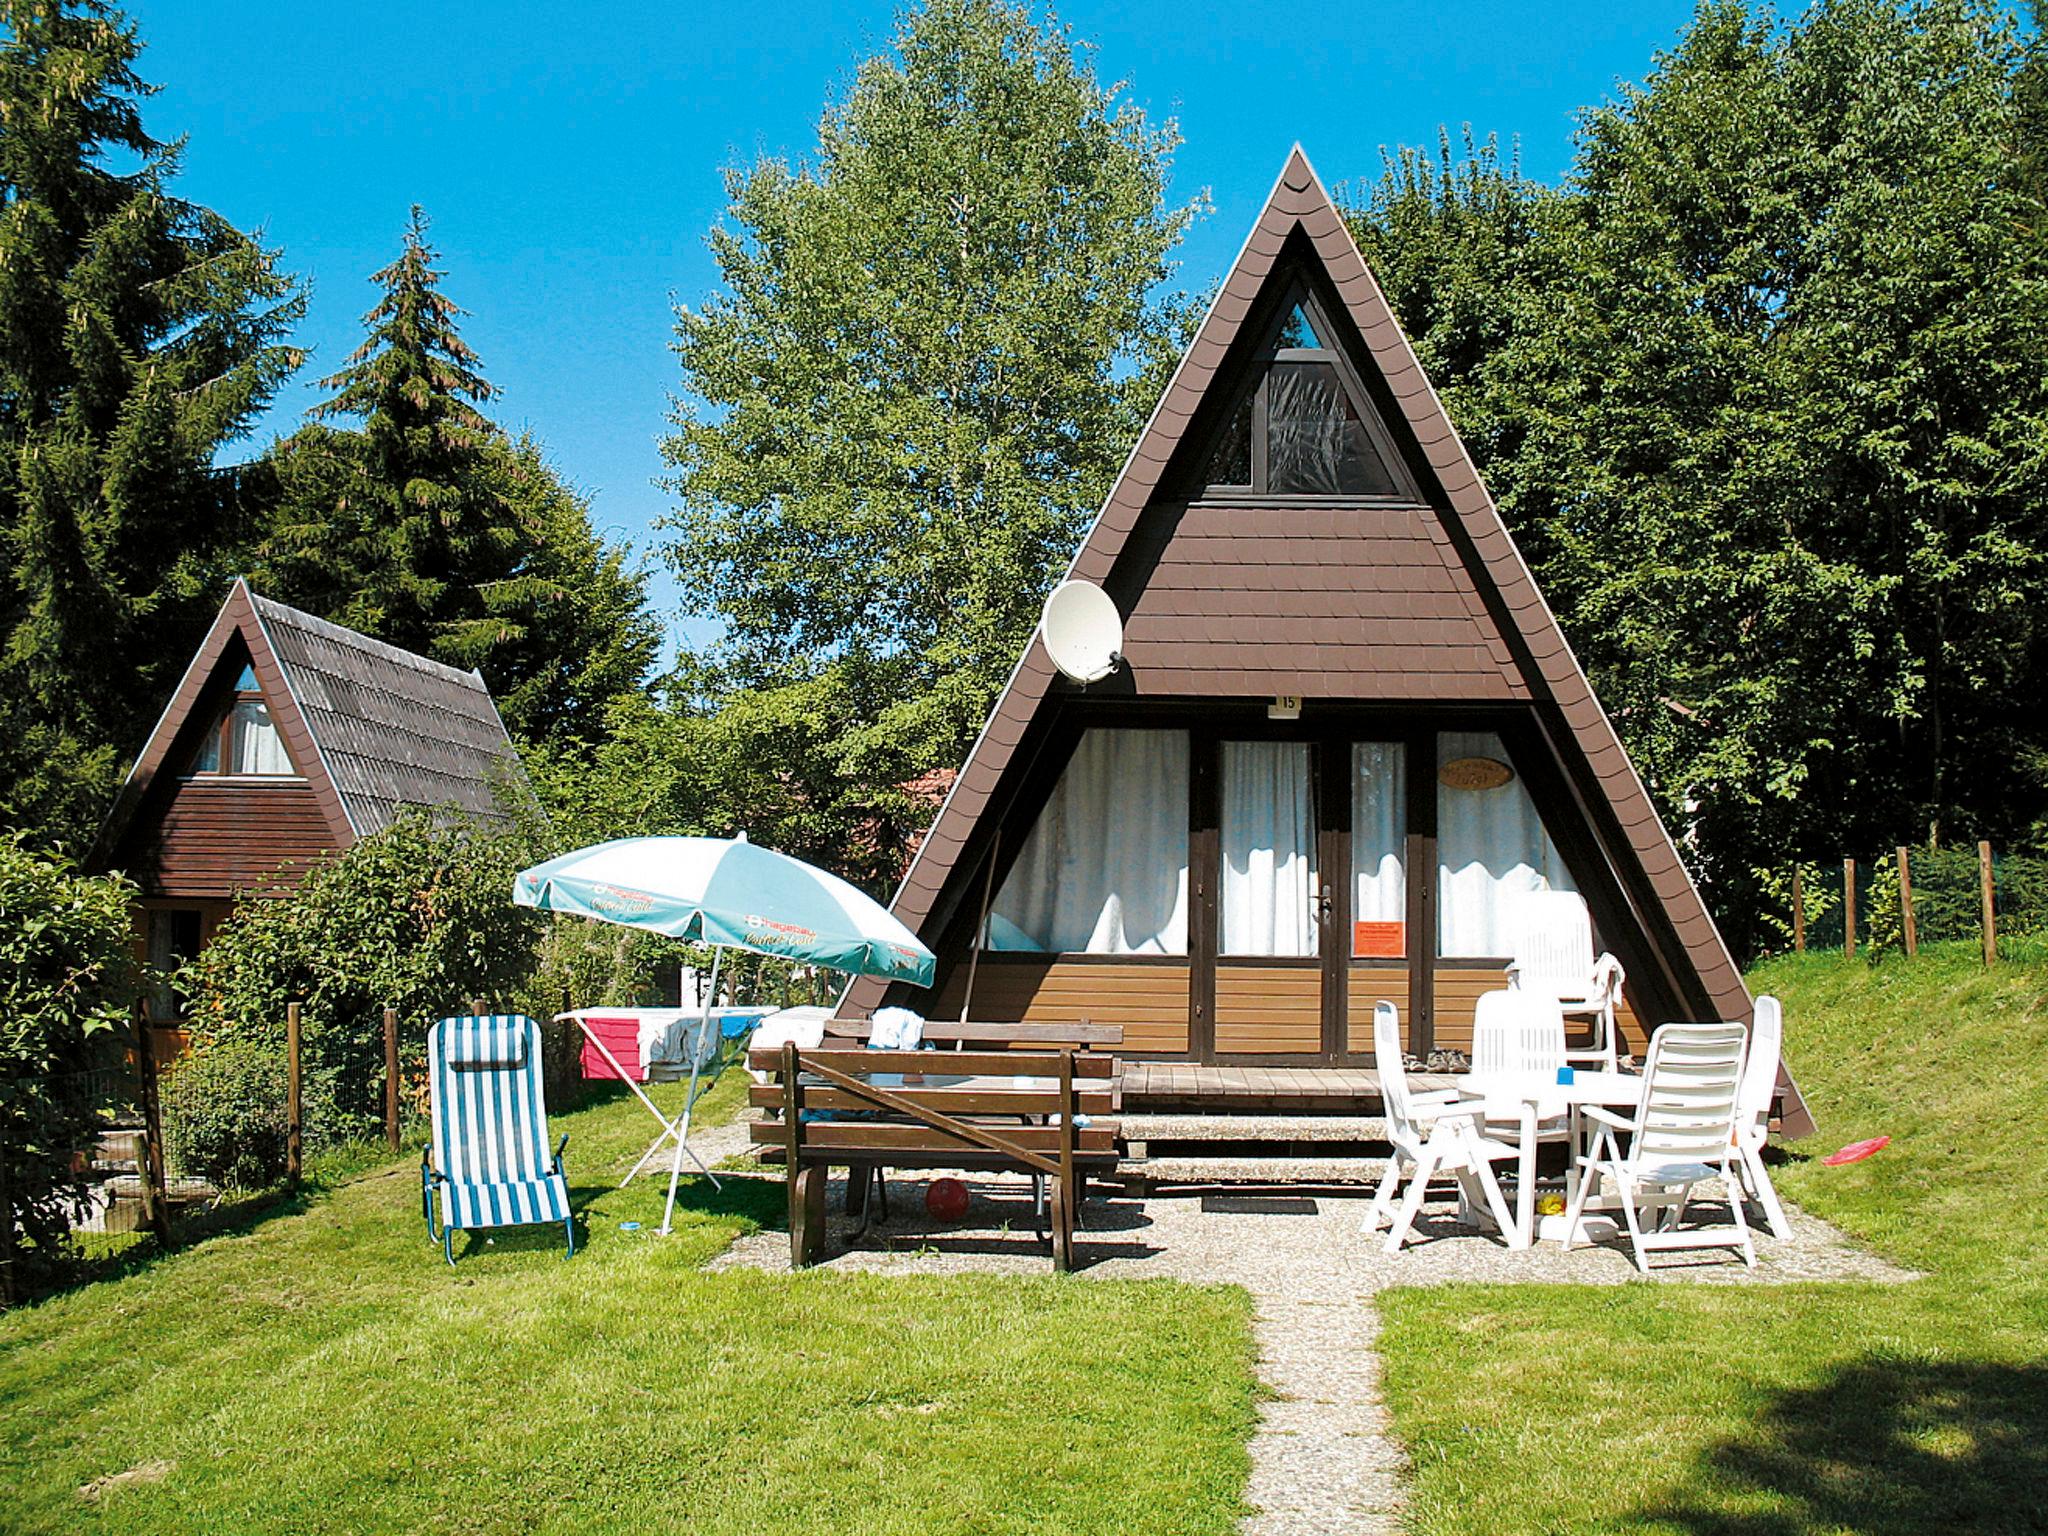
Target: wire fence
(1898,899)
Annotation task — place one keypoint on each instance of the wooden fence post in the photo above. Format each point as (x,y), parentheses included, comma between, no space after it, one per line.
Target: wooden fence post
(294,1127)
(1986,890)
(1849,907)
(6,1236)
(156,1200)
(391,1078)
(1906,902)
(1798,914)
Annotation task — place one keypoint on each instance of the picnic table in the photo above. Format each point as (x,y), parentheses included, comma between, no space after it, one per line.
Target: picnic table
(1043,1112)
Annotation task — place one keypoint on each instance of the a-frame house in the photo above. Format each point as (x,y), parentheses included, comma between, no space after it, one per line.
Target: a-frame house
(287,740)
(1348,731)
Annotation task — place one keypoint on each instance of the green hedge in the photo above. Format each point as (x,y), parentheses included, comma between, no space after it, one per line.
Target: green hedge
(418,917)
(66,978)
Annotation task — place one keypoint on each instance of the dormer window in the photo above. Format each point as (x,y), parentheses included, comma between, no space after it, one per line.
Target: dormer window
(244,740)
(1300,428)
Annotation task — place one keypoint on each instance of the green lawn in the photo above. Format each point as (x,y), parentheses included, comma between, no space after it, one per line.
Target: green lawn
(323,1369)
(1789,1411)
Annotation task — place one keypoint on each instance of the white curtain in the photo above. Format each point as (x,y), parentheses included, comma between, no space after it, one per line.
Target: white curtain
(1491,848)
(1105,870)
(1379,824)
(1268,838)
(258,747)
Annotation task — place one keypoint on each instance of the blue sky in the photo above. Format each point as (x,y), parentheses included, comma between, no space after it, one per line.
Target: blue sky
(572,169)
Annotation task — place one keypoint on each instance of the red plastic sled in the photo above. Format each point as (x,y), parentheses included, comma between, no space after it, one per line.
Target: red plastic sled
(1856,1151)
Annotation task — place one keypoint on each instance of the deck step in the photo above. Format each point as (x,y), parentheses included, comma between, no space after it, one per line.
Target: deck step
(1251,1170)
(1166,1128)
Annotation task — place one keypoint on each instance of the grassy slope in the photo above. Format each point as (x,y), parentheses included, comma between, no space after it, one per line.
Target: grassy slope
(1803,1409)
(325,1370)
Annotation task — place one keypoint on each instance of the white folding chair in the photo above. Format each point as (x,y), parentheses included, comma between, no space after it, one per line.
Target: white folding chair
(1683,1132)
(1431,1133)
(1753,1110)
(1554,958)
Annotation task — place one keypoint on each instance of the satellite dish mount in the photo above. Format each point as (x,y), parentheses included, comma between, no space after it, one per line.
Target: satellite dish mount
(1083,633)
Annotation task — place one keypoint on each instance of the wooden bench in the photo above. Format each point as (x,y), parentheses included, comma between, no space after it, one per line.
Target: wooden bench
(997,1110)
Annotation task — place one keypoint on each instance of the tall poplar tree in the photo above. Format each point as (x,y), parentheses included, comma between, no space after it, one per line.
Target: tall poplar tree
(405,512)
(936,341)
(139,334)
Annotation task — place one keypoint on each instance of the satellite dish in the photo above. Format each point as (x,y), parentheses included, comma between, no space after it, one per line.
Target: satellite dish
(1083,634)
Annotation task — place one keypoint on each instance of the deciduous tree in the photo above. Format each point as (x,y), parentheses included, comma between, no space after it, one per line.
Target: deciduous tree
(1761,393)
(935,343)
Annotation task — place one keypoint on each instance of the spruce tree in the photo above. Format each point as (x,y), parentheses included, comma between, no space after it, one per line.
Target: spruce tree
(139,333)
(404,512)
(404,520)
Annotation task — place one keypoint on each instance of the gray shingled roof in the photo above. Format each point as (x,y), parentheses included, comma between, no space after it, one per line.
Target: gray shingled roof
(393,729)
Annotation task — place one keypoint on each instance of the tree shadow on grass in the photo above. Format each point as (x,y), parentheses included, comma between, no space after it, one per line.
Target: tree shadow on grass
(1884,1448)
(94,1257)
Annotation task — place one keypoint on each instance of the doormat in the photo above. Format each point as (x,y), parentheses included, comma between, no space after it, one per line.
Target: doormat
(1258,1205)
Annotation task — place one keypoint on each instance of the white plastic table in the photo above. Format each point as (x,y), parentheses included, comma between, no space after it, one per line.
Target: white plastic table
(1531,1097)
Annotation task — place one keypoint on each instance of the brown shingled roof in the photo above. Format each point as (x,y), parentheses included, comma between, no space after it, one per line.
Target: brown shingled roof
(373,728)
(394,729)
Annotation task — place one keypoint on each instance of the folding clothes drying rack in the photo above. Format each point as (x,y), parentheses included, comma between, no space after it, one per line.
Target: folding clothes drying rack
(718,1058)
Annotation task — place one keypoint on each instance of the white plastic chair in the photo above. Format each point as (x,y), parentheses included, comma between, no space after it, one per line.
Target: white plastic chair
(1554,958)
(1515,1034)
(1518,1032)
(1753,1109)
(1683,1132)
(1431,1133)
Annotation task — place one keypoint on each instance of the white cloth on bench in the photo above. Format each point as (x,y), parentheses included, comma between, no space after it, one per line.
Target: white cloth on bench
(802,1027)
(896,1029)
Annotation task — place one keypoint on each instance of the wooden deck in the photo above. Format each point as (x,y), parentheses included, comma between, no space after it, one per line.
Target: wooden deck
(1155,1086)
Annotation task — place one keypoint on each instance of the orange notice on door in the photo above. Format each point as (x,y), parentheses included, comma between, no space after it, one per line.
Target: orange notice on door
(1379,941)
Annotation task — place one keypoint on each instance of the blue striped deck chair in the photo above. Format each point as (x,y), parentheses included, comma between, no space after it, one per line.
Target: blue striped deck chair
(488,1158)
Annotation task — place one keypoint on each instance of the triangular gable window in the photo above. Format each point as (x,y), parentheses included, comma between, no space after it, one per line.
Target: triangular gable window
(1300,428)
(243,739)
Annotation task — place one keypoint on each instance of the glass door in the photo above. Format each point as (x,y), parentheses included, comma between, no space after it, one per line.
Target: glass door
(1271,902)
(1376,948)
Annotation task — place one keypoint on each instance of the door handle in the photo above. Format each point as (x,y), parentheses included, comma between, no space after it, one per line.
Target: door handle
(1324,905)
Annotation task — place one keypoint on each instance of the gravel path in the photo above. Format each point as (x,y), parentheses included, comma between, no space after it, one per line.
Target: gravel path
(1323,1458)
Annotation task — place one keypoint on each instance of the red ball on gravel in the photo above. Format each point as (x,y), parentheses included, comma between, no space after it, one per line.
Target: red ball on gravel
(945,1199)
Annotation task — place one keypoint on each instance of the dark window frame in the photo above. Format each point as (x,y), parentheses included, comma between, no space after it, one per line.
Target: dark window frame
(223,733)
(1254,391)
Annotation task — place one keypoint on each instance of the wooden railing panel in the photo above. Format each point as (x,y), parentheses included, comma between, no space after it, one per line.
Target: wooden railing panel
(1149,1001)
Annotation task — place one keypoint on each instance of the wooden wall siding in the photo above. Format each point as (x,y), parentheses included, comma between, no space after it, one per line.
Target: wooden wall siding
(1268,1009)
(210,840)
(1457,998)
(1368,984)
(1149,1001)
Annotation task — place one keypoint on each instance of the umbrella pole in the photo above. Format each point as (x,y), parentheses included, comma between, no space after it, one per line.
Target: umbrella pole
(988,891)
(675,1167)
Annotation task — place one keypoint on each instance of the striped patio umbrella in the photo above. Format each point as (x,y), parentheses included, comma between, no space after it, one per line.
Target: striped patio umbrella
(730,894)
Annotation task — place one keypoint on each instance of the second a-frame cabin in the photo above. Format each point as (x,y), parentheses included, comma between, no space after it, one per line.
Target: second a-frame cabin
(287,741)
(1347,734)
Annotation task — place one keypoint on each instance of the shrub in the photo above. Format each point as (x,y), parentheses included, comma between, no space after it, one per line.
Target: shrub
(224,1114)
(417,917)
(66,978)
